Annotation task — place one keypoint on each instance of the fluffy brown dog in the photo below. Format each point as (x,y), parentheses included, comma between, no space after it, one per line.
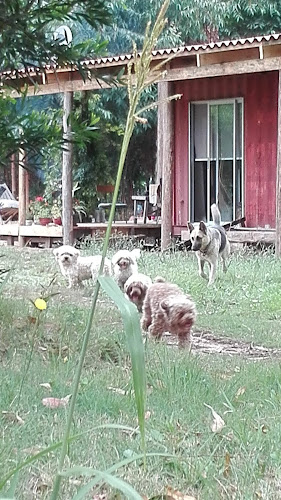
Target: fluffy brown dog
(124,265)
(167,309)
(136,287)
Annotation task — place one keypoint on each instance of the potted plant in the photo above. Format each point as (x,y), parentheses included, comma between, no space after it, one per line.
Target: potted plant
(56,212)
(41,210)
(29,218)
(78,206)
(79,210)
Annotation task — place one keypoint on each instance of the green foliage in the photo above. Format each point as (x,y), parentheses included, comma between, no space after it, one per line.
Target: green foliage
(96,162)
(187,22)
(135,343)
(246,18)
(30,26)
(31,130)
(104,477)
(190,21)
(40,207)
(26,39)
(5,274)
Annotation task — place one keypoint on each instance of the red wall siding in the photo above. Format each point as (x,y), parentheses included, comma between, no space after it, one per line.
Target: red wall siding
(260,91)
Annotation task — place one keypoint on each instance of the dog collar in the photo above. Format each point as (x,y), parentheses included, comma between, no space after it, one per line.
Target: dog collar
(205,249)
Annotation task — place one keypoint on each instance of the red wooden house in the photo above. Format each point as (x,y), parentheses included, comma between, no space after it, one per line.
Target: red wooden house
(221,137)
(226,149)
(222,140)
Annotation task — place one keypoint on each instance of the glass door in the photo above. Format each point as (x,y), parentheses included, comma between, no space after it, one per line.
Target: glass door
(216,175)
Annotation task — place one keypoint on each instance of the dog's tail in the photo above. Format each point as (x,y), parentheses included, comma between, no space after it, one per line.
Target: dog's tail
(216,215)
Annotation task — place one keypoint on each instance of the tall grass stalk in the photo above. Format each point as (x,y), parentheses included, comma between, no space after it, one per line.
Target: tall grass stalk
(139,77)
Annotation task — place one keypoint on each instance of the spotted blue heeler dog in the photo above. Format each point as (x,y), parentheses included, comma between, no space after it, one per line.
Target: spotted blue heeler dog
(209,242)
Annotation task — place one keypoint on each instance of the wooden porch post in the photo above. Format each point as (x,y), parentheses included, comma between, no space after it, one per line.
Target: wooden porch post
(67,217)
(13,176)
(22,194)
(278,176)
(159,156)
(165,155)
(26,189)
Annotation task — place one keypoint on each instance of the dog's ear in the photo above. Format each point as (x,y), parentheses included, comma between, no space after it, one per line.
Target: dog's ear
(165,306)
(190,226)
(56,253)
(136,253)
(203,227)
(76,251)
(127,288)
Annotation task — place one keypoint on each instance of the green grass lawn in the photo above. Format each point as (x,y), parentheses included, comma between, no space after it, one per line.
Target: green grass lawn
(242,461)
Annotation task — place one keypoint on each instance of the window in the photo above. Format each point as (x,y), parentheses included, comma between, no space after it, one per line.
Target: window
(216,159)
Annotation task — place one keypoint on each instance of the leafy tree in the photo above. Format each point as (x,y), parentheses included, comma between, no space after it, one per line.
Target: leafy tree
(95,161)
(188,21)
(246,18)
(30,24)
(26,28)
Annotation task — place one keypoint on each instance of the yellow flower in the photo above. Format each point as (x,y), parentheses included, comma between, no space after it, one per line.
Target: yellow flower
(40,304)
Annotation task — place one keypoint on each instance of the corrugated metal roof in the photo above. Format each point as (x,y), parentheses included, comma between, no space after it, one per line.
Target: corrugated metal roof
(188,48)
(185,49)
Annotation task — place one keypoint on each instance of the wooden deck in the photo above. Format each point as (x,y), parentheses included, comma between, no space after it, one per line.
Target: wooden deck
(119,228)
(36,234)
(244,235)
(48,235)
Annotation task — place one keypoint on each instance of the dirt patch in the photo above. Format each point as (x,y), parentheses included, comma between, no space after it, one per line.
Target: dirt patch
(207,343)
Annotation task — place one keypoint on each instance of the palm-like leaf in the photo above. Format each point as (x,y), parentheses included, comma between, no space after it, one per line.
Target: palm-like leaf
(131,321)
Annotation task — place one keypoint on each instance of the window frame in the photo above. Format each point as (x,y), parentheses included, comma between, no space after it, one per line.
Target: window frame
(209,102)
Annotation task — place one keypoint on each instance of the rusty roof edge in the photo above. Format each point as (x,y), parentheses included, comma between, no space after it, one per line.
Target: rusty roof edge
(190,48)
(183,49)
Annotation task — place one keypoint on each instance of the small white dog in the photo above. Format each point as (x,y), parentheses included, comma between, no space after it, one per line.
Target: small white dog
(124,265)
(136,287)
(77,268)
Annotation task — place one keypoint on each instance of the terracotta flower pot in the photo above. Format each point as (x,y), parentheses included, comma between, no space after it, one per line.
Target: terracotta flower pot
(44,221)
(57,221)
